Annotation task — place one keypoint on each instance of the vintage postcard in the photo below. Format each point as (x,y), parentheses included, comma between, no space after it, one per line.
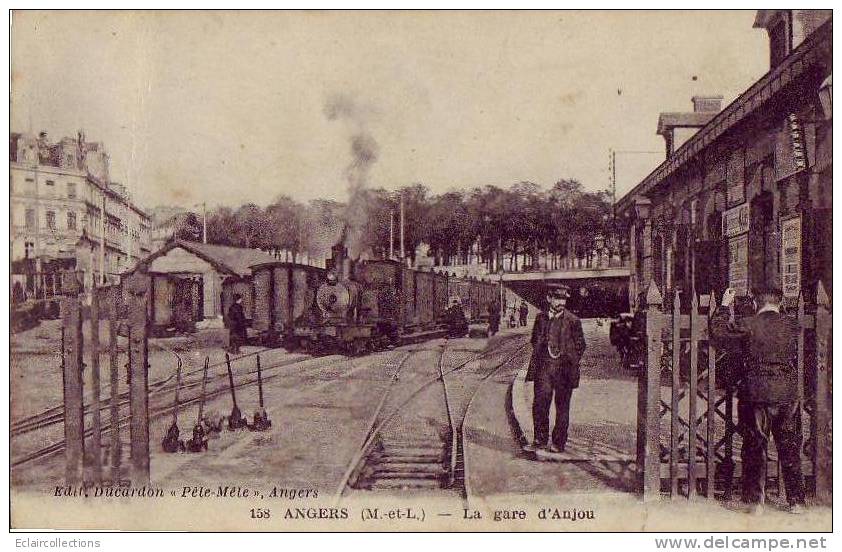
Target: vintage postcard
(421,270)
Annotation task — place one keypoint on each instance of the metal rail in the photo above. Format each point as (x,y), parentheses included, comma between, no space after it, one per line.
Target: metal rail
(156,412)
(451,476)
(483,381)
(55,414)
(377,423)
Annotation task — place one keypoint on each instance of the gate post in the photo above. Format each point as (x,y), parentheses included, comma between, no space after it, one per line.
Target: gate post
(96,421)
(72,348)
(137,287)
(113,353)
(822,415)
(649,400)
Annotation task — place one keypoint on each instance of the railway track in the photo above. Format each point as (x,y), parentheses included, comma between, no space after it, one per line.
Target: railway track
(160,404)
(415,437)
(55,415)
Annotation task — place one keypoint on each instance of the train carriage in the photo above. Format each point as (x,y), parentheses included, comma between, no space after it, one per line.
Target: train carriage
(441,286)
(424,305)
(408,315)
(283,294)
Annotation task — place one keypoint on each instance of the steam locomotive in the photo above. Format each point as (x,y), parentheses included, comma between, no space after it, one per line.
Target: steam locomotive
(371,304)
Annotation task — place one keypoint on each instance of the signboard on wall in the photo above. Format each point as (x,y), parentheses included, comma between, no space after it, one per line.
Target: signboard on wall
(735,221)
(738,264)
(790,148)
(791,256)
(736,191)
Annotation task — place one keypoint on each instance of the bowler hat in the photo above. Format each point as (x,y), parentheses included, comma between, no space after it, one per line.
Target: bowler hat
(560,291)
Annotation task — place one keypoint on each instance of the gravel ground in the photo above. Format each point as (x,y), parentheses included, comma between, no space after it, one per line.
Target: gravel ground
(320,410)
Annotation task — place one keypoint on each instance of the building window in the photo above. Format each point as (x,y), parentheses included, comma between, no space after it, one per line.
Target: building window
(28,249)
(71,190)
(71,220)
(30,180)
(51,220)
(30,218)
(51,182)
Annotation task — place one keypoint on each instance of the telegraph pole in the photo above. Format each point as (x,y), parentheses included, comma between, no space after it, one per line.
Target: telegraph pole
(403,232)
(613,162)
(391,234)
(204,223)
(614,182)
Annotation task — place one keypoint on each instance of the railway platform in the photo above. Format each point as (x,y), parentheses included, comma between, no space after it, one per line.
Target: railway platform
(591,487)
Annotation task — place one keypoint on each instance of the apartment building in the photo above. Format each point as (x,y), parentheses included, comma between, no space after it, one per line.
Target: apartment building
(66,213)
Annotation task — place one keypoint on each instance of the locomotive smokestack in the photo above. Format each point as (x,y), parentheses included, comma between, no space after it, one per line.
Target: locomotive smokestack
(338,255)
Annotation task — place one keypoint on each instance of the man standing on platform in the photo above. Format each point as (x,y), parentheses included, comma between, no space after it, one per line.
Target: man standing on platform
(236,324)
(524,313)
(493,317)
(557,347)
(768,393)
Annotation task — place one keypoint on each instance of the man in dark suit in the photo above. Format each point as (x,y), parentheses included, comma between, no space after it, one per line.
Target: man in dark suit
(493,317)
(767,391)
(236,324)
(523,311)
(557,347)
(457,323)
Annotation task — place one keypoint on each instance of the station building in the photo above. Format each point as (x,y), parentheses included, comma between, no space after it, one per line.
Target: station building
(745,200)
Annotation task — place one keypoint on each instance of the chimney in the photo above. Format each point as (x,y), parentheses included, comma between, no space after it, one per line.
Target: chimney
(707,104)
(677,127)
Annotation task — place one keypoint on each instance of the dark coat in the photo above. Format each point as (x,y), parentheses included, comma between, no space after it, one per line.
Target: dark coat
(237,320)
(557,346)
(768,345)
(457,323)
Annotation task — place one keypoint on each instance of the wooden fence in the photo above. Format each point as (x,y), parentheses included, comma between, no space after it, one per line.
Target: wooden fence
(124,310)
(687,438)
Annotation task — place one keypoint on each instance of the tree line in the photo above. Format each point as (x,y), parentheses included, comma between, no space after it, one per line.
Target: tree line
(511,228)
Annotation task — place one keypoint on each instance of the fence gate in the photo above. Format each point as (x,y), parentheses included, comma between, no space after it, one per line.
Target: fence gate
(687,438)
(123,310)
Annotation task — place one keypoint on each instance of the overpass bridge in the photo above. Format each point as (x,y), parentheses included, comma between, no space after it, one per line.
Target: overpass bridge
(594,292)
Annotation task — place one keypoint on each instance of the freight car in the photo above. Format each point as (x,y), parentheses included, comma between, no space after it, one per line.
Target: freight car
(370,304)
(282,294)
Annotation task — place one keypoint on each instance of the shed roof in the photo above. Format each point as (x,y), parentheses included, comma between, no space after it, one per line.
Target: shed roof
(225,258)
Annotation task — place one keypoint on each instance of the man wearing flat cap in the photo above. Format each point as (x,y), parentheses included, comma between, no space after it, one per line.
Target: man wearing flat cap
(557,347)
(769,402)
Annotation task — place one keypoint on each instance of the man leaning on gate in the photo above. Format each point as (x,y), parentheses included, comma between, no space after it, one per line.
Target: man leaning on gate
(767,393)
(557,347)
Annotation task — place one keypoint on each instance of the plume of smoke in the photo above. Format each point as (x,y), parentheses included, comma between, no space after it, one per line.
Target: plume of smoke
(364,153)
(323,227)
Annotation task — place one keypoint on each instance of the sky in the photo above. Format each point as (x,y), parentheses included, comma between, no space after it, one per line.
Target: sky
(235,107)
